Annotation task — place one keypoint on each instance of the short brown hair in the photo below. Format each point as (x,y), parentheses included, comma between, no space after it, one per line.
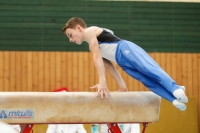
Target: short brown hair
(73,22)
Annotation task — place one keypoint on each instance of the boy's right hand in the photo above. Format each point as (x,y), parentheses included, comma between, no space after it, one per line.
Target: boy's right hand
(102,89)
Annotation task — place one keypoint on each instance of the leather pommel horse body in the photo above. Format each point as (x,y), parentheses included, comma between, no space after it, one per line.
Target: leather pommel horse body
(78,107)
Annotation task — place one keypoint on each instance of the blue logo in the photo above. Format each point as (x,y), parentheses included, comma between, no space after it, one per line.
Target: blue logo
(3,114)
(16,113)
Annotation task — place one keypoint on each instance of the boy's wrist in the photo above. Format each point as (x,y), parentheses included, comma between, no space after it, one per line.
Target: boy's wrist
(102,80)
(122,85)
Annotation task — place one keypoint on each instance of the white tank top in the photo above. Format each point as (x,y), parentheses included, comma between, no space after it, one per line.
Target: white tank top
(108,43)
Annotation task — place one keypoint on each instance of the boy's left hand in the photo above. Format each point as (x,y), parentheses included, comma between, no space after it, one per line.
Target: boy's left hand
(123,89)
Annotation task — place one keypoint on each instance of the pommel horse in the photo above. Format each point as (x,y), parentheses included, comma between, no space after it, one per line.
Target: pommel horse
(79,108)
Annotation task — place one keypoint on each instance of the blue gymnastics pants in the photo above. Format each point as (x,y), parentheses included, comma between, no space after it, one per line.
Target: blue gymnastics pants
(139,65)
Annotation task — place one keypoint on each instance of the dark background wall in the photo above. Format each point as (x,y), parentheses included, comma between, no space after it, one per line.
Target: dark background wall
(156,26)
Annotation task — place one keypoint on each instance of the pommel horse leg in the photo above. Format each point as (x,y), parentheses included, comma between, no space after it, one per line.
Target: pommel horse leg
(114,128)
(27,128)
(144,127)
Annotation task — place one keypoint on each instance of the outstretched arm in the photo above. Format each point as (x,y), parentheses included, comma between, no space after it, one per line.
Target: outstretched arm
(90,37)
(115,74)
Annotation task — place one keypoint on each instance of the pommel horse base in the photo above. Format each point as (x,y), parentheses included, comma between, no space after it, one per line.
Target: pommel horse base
(79,108)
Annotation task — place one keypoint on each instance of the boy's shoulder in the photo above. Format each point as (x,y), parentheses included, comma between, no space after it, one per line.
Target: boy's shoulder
(93,29)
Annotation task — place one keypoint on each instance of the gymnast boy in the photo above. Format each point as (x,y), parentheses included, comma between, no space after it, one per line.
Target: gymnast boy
(107,48)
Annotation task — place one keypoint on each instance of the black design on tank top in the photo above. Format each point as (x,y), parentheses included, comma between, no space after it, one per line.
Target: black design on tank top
(106,36)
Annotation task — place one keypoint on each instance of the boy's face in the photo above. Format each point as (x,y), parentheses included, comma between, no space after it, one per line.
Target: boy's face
(75,35)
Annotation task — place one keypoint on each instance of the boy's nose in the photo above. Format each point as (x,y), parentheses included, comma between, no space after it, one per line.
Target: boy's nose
(70,40)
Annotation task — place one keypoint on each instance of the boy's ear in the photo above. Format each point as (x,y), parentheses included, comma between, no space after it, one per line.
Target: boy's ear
(78,27)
